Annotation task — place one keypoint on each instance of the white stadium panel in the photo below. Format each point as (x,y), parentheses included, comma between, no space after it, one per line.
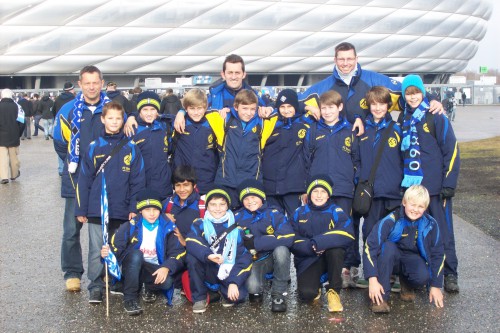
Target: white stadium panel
(42,37)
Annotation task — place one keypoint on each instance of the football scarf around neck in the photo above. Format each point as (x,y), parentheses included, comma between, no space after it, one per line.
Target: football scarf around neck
(74,144)
(230,243)
(413,173)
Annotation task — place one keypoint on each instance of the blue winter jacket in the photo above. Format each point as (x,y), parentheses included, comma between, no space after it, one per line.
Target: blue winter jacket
(389,173)
(284,160)
(153,141)
(197,147)
(171,254)
(353,95)
(269,227)
(331,151)
(124,175)
(324,227)
(221,96)
(184,214)
(197,246)
(395,228)
(439,154)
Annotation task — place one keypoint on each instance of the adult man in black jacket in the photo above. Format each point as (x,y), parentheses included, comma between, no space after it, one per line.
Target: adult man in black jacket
(28,115)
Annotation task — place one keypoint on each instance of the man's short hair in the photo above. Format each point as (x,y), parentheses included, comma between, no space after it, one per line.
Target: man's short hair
(111,84)
(345,46)
(90,69)
(233,59)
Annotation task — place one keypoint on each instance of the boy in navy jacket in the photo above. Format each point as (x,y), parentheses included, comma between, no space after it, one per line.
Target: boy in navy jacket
(410,240)
(322,234)
(431,158)
(217,258)
(124,176)
(152,138)
(196,146)
(148,252)
(268,236)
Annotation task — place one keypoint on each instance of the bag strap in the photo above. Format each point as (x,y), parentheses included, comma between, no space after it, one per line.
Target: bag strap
(223,235)
(115,150)
(384,138)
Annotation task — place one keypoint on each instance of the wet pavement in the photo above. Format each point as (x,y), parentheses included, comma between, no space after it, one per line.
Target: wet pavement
(33,297)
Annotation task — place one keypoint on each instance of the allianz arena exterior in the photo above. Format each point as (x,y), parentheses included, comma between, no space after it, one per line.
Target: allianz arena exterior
(191,37)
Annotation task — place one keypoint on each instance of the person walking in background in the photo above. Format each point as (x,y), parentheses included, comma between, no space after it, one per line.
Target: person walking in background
(45,109)
(116,96)
(28,115)
(170,104)
(464,97)
(37,115)
(10,132)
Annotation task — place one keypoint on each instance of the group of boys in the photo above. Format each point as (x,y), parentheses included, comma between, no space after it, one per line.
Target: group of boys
(288,178)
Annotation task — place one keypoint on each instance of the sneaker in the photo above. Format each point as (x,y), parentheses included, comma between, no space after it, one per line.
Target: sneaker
(407,292)
(333,299)
(73,284)
(200,306)
(278,304)
(255,298)
(116,289)
(346,278)
(226,303)
(4,181)
(149,296)
(395,285)
(383,307)
(451,283)
(362,283)
(95,296)
(132,307)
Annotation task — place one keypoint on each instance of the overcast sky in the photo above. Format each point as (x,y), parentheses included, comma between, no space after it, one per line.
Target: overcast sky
(488,53)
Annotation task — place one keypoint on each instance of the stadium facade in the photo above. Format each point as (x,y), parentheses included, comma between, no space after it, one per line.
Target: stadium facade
(289,42)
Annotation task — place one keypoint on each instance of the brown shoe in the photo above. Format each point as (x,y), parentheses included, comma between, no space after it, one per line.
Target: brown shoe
(73,284)
(383,307)
(407,292)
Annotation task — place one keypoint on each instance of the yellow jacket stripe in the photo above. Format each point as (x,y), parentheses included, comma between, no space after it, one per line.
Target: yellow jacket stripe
(245,270)
(195,240)
(452,162)
(285,236)
(339,232)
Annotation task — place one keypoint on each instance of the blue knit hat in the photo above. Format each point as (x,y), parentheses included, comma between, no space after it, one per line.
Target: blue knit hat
(288,96)
(148,98)
(148,198)
(321,180)
(251,187)
(412,80)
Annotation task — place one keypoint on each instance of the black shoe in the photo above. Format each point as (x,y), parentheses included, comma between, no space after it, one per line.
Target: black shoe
(95,296)
(116,289)
(132,307)
(278,304)
(213,297)
(149,296)
(29,138)
(18,174)
(451,283)
(255,298)
(4,181)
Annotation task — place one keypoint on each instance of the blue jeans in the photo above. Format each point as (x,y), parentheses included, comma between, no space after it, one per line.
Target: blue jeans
(48,124)
(95,270)
(60,166)
(71,249)
(37,124)
(27,128)
(137,271)
(279,264)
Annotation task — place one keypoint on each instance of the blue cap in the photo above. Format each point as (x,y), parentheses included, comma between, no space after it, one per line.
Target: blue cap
(412,80)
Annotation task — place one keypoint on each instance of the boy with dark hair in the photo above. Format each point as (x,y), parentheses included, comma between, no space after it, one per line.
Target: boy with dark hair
(269,236)
(148,251)
(432,159)
(153,138)
(322,234)
(410,240)
(116,162)
(216,256)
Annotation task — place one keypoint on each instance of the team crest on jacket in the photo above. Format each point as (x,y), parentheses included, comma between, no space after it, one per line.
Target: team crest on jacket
(127,159)
(270,230)
(426,128)
(392,142)
(347,141)
(254,129)
(302,133)
(210,138)
(363,104)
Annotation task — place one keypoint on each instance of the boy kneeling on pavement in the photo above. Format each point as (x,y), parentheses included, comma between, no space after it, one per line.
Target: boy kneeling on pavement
(407,240)
(148,251)
(269,237)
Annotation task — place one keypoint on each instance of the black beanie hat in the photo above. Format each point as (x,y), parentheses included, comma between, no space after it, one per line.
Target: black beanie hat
(148,98)
(217,192)
(288,96)
(148,198)
(321,180)
(251,187)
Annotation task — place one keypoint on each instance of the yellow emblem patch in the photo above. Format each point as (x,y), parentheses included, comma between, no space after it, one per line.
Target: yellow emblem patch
(347,141)
(127,159)
(302,133)
(270,230)
(426,128)
(254,129)
(363,104)
(165,141)
(392,142)
(210,138)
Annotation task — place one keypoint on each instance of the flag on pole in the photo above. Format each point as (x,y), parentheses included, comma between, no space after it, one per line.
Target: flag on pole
(110,260)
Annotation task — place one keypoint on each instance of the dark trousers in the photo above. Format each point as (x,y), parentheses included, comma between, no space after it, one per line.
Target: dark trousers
(136,271)
(37,124)
(411,267)
(308,282)
(444,218)
(202,274)
(286,203)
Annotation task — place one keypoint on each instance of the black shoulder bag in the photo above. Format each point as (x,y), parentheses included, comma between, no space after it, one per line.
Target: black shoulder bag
(363,194)
(116,149)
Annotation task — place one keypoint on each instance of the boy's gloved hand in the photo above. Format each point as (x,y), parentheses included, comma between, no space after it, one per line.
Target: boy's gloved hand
(447,192)
(248,241)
